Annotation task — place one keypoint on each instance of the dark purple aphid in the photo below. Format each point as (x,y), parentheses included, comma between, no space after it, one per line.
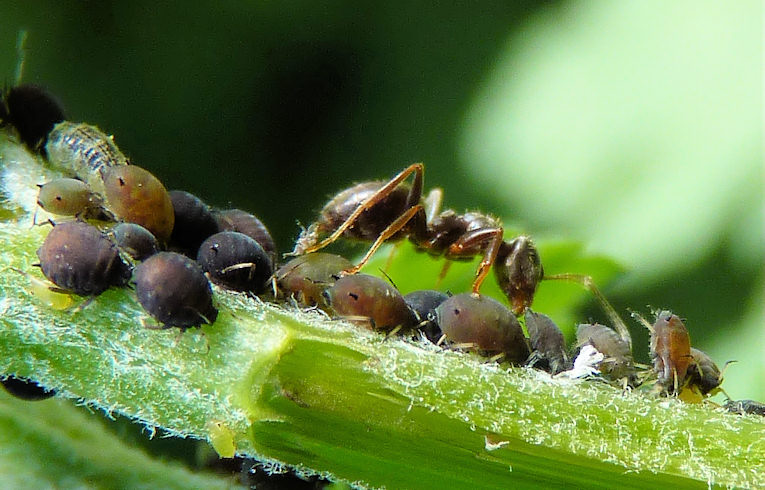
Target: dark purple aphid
(250,225)
(670,351)
(194,222)
(548,345)
(618,363)
(306,277)
(134,240)
(483,324)
(26,389)
(370,300)
(235,261)
(703,373)
(174,290)
(742,407)
(424,303)
(33,111)
(78,257)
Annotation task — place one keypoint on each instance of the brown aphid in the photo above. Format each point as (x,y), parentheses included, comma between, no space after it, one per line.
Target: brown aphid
(235,261)
(134,195)
(618,363)
(174,290)
(548,345)
(193,222)
(483,324)
(306,277)
(371,301)
(670,351)
(78,257)
(134,240)
(703,374)
(69,197)
(247,223)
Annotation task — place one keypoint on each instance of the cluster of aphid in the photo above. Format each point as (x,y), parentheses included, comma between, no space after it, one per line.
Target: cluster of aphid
(127,228)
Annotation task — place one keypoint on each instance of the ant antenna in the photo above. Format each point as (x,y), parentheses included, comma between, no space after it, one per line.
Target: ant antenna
(21,51)
(587,283)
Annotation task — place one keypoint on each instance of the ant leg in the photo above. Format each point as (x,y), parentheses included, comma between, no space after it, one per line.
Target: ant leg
(472,243)
(442,274)
(388,232)
(589,284)
(416,168)
(391,256)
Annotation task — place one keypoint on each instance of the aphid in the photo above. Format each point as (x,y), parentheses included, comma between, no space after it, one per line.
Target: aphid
(703,374)
(78,257)
(742,407)
(26,389)
(424,303)
(194,222)
(69,197)
(670,351)
(370,300)
(618,363)
(235,261)
(134,195)
(306,277)
(84,151)
(134,240)
(33,111)
(250,225)
(483,324)
(381,211)
(174,290)
(548,346)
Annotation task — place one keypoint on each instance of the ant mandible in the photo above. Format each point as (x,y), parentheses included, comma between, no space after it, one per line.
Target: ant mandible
(379,211)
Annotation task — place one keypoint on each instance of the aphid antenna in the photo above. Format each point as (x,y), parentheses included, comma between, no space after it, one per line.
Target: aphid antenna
(21,54)
(589,284)
(641,319)
(390,279)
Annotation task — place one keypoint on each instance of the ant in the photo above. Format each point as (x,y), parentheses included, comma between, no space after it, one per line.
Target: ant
(380,211)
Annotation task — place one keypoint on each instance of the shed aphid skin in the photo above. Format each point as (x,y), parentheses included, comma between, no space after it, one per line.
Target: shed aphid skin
(618,363)
(370,301)
(670,351)
(235,261)
(134,240)
(70,197)
(548,346)
(306,277)
(33,111)
(174,290)
(134,195)
(26,389)
(483,324)
(423,304)
(78,257)
(193,224)
(83,151)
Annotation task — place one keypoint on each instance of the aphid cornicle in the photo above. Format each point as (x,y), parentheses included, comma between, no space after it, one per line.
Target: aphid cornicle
(423,304)
(670,351)
(618,363)
(174,290)
(33,111)
(26,389)
(306,277)
(84,151)
(134,240)
(548,346)
(371,301)
(235,261)
(78,257)
(483,324)
(193,224)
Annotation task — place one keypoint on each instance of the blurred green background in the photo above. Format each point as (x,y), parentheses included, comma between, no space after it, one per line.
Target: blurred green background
(634,127)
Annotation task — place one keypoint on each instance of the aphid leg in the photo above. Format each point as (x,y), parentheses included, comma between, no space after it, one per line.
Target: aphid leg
(416,168)
(84,304)
(496,358)
(613,316)
(393,332)
(441,340)
(392,229)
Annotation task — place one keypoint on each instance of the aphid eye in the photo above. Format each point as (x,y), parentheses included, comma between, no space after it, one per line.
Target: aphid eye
(354,296)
